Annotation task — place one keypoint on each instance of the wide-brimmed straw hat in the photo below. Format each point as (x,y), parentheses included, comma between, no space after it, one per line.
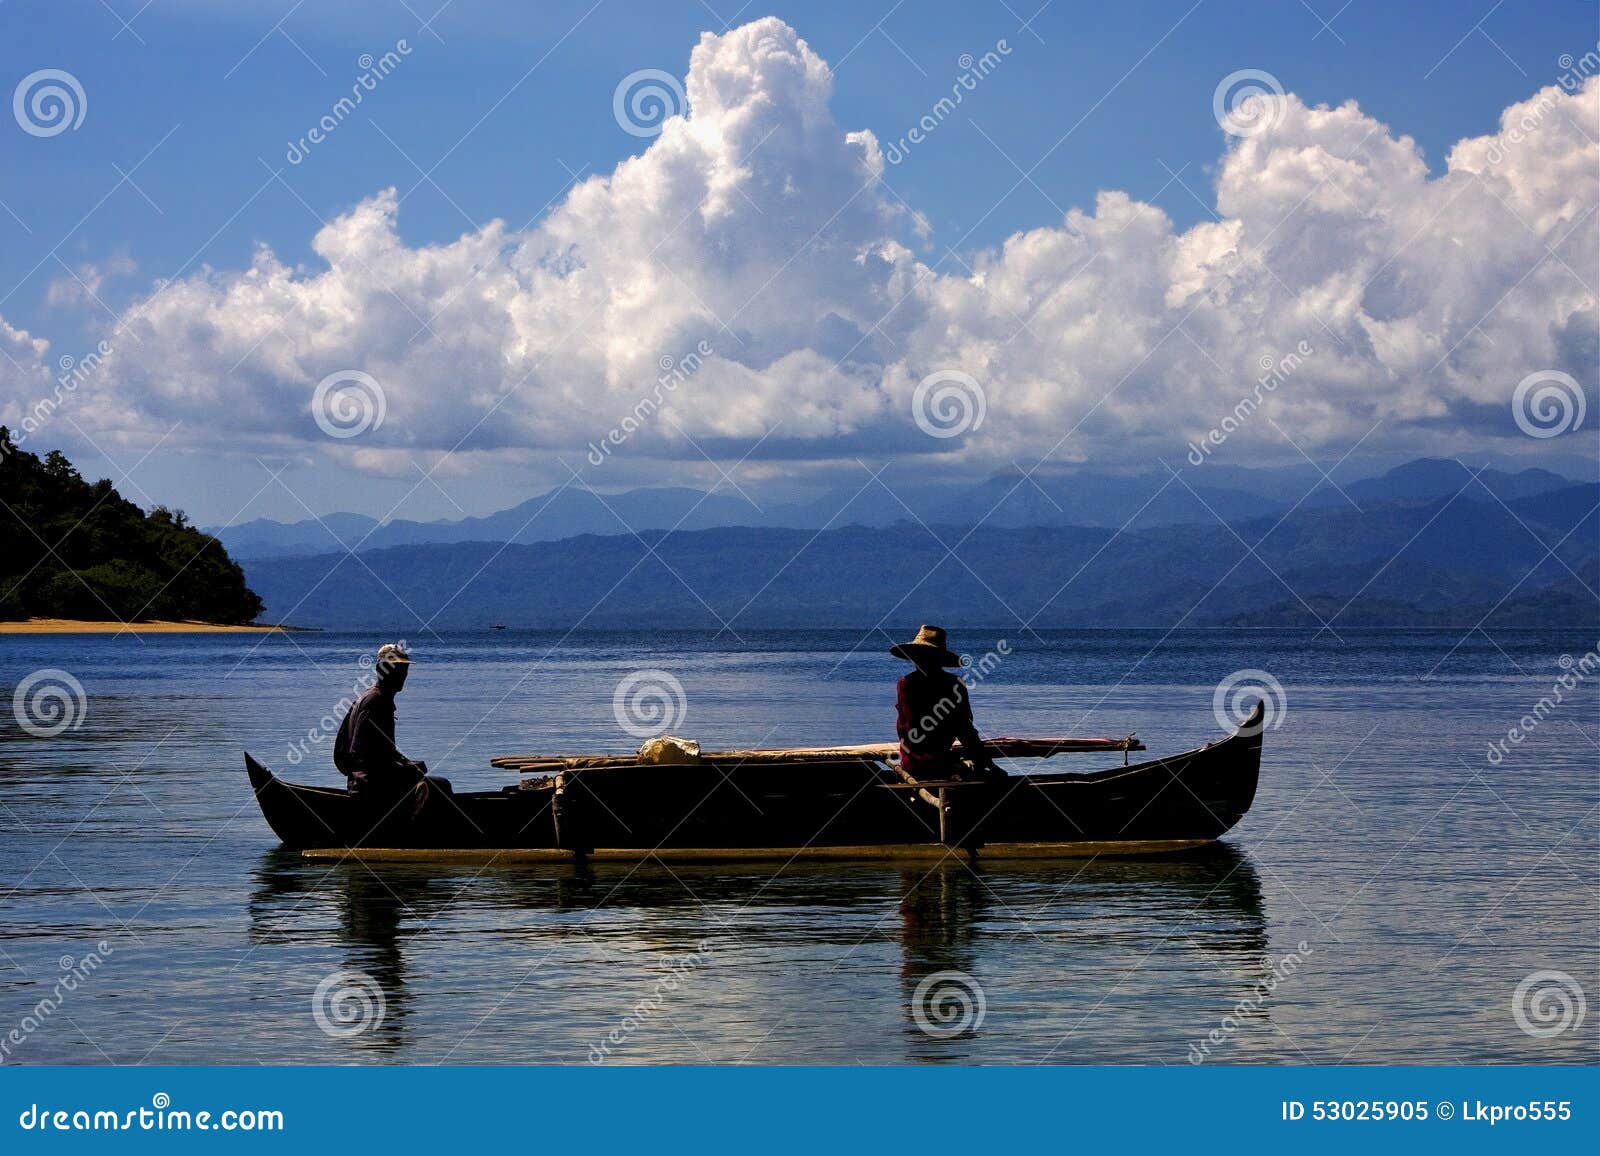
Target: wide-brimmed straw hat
(928,645)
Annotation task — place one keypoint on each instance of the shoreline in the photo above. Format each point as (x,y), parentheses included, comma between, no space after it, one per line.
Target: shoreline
(158,626)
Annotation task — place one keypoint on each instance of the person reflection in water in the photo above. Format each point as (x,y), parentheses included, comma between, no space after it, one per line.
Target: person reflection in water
(364,750)
(372,916)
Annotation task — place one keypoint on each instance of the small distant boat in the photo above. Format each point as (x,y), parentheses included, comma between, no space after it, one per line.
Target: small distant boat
(836,803)
(497,626)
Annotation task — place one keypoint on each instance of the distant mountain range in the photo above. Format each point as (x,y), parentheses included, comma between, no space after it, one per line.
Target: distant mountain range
(1199,496)
(1515,551)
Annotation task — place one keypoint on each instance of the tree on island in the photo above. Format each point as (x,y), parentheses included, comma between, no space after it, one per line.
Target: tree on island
(76,549)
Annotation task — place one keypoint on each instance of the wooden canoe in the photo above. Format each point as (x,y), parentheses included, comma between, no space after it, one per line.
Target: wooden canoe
(833,808)
(1000,748)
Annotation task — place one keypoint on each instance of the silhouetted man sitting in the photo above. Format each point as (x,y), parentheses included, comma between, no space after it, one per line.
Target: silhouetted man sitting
(932,712)
(365,750)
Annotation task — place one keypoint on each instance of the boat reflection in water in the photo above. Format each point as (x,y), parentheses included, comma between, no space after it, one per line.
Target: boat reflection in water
(1046,950)
(964,932)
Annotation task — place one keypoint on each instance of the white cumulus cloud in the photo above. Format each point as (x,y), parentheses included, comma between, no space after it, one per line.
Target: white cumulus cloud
(757,225)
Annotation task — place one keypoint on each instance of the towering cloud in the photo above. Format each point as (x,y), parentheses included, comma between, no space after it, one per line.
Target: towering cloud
(756,225)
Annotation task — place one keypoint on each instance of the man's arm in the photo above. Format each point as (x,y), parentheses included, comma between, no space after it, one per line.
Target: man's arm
(380,746)
(966,730)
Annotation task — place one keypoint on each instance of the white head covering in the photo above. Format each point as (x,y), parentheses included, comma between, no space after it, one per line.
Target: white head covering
(392,654)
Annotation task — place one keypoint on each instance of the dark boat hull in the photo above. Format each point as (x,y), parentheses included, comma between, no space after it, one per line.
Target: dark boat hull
(854,809)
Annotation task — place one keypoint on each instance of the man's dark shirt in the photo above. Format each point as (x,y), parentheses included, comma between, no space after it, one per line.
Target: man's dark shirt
(932,711)
(364,749)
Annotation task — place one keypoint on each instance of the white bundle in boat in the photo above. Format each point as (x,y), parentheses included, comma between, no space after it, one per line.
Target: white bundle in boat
(667,750)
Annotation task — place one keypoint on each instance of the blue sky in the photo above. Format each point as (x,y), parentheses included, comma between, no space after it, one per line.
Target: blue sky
(498,109)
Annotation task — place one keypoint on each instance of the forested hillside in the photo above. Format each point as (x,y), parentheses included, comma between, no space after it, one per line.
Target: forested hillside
(70,548)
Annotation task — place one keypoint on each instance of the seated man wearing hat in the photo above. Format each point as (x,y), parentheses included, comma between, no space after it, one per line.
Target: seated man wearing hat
(364,749)
(932,711)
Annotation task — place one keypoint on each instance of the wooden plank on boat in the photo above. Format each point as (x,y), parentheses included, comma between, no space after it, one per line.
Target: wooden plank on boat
(1004,748)
(992,852)
(480,855)
(911,784)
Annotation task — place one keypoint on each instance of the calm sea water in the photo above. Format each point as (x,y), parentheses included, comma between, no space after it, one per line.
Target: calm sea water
(1384,901)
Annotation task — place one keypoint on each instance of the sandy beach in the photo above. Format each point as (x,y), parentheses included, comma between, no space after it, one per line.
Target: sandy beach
(74,626)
